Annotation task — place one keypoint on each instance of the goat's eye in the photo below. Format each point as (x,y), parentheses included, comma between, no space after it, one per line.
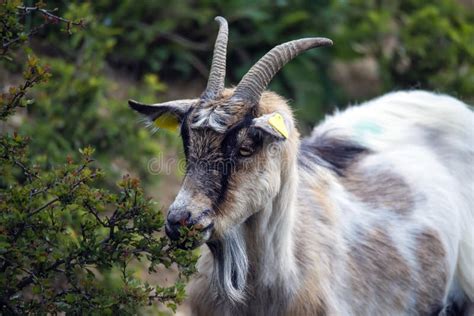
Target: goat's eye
(245,151)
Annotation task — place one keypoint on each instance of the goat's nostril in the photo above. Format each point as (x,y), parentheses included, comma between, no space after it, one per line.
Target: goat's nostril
(179,218)
(175,220)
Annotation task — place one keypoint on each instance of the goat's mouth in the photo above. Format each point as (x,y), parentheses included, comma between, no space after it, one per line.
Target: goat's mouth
(194,236)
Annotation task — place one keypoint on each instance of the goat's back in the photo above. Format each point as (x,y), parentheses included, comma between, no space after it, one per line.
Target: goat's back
(424,141)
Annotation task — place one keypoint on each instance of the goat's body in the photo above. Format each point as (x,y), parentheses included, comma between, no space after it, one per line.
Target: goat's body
(403,211)
(375,218)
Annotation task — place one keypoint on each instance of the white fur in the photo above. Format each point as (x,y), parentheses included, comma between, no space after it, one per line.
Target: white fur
(427,139)
(403,123)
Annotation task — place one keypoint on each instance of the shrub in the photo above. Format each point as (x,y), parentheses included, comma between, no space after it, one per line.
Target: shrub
(416,44)
(66,244)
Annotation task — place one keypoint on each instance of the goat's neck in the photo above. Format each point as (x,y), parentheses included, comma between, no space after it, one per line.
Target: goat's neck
(270,237)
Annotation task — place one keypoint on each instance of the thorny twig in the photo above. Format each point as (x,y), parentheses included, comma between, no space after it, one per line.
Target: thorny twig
(49,18)
(72,188)
(15,101)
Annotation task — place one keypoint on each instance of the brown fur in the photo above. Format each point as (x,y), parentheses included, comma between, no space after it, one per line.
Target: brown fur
(235,182)
(205,150)
(315,246)
(269,102)
(380,189)
(307,303)
(431,255)
(375,263)
(310,298)
(321,196)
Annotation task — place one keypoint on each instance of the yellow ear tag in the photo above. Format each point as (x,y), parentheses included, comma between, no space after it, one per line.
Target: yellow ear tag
(167,121)
(278,123)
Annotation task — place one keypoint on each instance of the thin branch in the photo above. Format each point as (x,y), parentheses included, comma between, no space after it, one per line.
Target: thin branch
(187,43)
(198,65)
(94,212)
(33,31)
(15,101)
(73,187)
(39,209)
(44,190)
(30,279)
(29,174)
(50,185)
(50,18)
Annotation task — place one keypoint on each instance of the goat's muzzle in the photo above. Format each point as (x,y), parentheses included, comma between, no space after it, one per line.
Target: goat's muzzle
(187,230)
(176,220)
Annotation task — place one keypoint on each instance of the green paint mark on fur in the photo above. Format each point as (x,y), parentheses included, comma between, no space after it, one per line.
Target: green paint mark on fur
(363,130)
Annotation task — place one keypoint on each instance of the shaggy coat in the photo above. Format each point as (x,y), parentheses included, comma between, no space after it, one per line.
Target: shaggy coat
(370,215)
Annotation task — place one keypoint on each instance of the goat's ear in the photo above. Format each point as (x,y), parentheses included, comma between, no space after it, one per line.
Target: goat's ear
(274,124)
(167,115)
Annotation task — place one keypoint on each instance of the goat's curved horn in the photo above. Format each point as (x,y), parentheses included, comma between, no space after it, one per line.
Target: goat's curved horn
(252,85)
(215,83)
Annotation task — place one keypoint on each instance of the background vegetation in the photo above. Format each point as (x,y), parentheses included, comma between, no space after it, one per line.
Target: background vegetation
(153,51)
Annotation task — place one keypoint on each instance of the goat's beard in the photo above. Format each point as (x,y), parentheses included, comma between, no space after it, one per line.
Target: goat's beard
(230,266)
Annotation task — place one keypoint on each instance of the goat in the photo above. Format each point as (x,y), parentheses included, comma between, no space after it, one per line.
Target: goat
(370,215)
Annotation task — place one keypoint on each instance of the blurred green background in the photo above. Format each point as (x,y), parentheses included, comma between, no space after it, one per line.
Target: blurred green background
(160,50)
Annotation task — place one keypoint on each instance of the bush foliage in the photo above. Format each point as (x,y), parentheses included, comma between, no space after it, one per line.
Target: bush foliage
(66,243)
